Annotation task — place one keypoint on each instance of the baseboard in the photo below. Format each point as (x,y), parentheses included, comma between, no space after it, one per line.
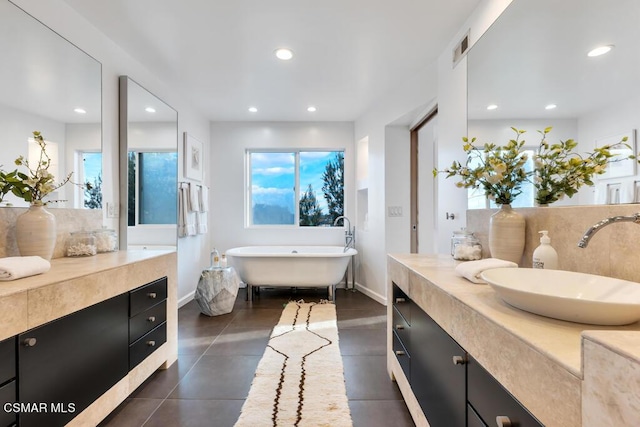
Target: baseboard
(186,299)
(371,294)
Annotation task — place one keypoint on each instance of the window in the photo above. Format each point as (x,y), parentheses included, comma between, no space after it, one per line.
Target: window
(304,188)
(92,174)
(153,186)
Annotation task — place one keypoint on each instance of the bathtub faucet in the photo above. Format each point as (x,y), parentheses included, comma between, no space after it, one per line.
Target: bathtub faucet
(584,241)
(349,234)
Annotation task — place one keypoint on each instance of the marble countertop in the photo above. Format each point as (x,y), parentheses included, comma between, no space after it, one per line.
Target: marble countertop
(560,341)
(75,283)
(69,268)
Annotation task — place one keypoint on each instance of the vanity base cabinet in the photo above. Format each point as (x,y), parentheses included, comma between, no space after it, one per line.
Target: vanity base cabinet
(438,375)
(491,401)
(7,380)
(66,364)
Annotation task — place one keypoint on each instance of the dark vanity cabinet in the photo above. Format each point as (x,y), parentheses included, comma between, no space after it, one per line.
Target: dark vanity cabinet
(147,320)
(438,375)
(452,388)
(68,363)
(491,403)
(7,381)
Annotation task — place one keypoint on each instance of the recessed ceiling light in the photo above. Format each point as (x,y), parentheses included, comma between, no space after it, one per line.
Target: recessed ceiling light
(492,107)
(284,53)
(150,110)
(550,107)
(600,50)
(312,109)
(80,110)
(253,110)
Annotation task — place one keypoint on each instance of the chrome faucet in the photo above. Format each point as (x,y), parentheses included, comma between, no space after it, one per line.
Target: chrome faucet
(584,241)
(349,234)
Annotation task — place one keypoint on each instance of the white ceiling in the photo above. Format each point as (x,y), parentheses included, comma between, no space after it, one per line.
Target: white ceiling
(535,54)
(219,54)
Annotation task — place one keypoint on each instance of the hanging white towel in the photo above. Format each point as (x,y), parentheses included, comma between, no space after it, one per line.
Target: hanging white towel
(600,194)
(194,203)
(204,198)
(628,191)
(12,268)
(201,222)
(182,211)
(471,270)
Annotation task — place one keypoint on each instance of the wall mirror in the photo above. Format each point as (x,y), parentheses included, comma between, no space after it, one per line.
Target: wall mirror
(50,85)
(532,64)
(148,169)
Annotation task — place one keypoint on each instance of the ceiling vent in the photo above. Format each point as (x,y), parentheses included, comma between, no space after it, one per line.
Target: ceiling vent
(461,49)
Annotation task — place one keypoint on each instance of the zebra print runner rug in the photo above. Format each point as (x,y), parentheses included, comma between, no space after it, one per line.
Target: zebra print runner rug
(299,380)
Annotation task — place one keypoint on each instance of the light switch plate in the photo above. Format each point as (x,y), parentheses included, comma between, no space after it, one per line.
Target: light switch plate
(112,210)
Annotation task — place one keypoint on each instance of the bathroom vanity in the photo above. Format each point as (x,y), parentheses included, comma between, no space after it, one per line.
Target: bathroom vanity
(83,336)
(463,357)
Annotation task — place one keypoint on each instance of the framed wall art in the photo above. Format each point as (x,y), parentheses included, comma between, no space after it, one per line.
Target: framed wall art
(622,168)
(193,158)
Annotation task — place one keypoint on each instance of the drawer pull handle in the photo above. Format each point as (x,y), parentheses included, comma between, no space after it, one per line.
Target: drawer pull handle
(151,319)
(152,295)
(503,421)
(400,300)
(459,360)
(400,353)
(29,342)
(151,343)
(399,327)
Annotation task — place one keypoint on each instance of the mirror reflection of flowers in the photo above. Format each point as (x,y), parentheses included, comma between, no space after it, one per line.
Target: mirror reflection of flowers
(561,172)
(498,170)
(38,182)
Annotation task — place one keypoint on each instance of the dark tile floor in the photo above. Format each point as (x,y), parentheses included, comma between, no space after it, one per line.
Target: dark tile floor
(217,357)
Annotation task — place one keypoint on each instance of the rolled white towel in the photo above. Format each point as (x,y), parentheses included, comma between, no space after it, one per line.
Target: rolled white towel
(12,268)
(471,270)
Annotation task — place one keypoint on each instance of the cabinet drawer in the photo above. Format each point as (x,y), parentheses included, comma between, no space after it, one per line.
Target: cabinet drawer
(403,356)
(141,349)
(7,360)
(147,296)
(490,400)
(7,395)
(146,321)
(401,303)
(473,419)
(402,328)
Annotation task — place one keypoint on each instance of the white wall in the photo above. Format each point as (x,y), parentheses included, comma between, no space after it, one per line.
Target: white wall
(229,142)
(192,252)
(374,243)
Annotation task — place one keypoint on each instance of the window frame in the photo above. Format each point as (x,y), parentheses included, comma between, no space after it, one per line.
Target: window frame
(248,211)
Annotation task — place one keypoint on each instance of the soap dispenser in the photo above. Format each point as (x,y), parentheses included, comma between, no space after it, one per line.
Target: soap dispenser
(545,256)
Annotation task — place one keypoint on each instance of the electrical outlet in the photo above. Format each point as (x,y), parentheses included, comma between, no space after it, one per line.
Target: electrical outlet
(394,211)
(112,210)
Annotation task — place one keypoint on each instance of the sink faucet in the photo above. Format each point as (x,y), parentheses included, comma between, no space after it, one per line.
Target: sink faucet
(584,241)
(349,234)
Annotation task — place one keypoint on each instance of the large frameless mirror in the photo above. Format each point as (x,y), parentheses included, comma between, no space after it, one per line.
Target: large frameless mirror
(532,65)
(148,169)
(50,85)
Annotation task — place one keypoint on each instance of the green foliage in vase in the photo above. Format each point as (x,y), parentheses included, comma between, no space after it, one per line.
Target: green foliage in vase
(560,172)
(499,170)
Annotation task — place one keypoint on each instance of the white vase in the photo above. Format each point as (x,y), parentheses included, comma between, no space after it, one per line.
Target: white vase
(507,234)
(36,232)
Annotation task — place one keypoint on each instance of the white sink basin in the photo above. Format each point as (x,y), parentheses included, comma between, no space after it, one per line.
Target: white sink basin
(566,295)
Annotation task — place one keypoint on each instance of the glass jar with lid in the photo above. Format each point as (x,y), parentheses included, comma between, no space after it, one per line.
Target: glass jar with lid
(81,243)
(465,246)
(106,240)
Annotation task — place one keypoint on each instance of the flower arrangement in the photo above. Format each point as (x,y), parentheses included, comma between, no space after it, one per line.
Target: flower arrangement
(498,170)
(38,182)
(560,172)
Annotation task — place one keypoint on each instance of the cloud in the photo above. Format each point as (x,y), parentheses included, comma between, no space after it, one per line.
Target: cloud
(255,189)
(275,170)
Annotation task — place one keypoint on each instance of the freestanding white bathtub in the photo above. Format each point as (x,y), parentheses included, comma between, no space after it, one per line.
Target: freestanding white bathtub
(295,266)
